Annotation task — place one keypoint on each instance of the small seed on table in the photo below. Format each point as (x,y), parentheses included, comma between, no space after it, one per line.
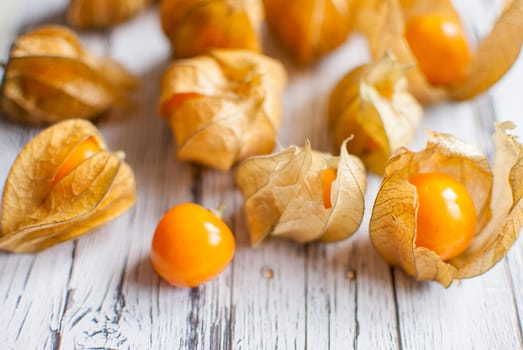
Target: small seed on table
(267,272)
(351,275)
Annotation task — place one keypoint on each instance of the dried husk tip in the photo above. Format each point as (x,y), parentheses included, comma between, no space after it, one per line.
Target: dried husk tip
(284,195)
(309,29)
(373,104)
(224,106)
(196,26)
(50,77)
(39,210)
(496,194)
(103,13)
(384,24)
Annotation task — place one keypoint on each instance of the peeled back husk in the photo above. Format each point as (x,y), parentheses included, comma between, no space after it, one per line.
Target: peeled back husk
(373,104)
(37,213)
(196,26)
(283,195)
(309,29)
(50,77)
(496,194)
(103,13)
(384,22)
(223,107)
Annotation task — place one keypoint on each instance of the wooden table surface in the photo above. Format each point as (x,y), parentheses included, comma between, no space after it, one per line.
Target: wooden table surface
(100,291)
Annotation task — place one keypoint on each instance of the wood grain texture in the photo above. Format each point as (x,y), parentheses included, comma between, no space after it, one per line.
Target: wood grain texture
(100,291)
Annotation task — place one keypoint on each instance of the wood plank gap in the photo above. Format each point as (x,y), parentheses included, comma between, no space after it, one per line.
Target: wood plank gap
(119,305)
(484,108)
(306,298)
(151,312)
(519,316)
(26,279)
(23,322)
(232,309)
(11,285)
(329,322)
(196,188)
(396,307)
(195,293)
(356,321)
(195,296)
(57,334)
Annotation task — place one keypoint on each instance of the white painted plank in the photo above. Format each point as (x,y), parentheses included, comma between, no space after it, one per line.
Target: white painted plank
(121,301)
(377,314)
(419,304)
(513,268)
(32,293)
(462,317)
(33,288)
(269,294)
(280,295)
(331,304)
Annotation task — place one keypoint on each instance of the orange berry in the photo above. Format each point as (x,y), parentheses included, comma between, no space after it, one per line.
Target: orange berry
(177,99)
(84,150)
(372,145)
(191,245)
(327,177)
(439,44)
(446,218)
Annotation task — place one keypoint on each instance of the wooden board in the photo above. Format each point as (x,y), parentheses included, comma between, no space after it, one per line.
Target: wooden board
(100,291)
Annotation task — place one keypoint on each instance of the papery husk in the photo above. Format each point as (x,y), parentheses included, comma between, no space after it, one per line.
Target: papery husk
(496,195)
(49,77)
(103,13)
(372,103)
(37,214)
(197,26)
(309,29)
(234,110)
(383,24)
(283,195)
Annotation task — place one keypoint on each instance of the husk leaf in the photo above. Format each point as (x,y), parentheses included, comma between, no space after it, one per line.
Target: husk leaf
(103,13)
(309,29)
(496,195)
(233,108)
(37,214)
(49,78)
(372,103)
(283,195)
(494,57)
(197,26)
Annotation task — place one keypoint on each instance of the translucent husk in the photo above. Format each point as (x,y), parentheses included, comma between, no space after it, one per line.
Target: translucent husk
(383,23)
(103,13)
(308,29)
(496,194)
(197,26)
(37,213)
(49,77)
(373,104)
(223,107)
(283,195)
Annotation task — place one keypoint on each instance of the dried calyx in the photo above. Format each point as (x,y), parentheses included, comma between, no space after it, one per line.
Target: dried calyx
(309,29)
(50,77)
(103,13)
(495,193)
(197,26)
(62,184)
(224,106)
(427,33)
(302,194)
(372,103)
